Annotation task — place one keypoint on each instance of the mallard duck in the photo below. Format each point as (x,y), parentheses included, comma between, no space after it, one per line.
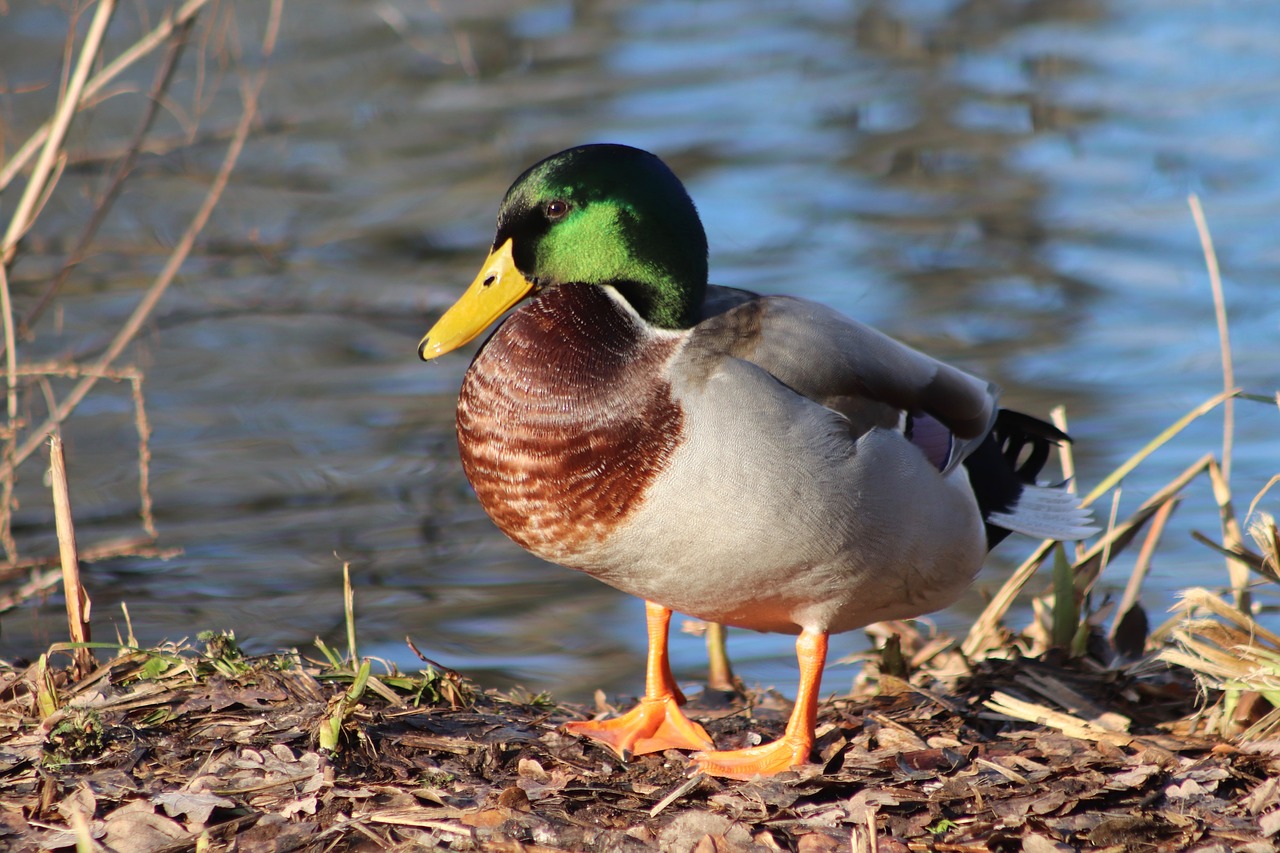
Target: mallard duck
(757,461)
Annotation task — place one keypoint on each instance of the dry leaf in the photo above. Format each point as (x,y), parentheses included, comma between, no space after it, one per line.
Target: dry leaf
(136,828)
(306,805)
(1265,796)
(1133,778)
(1041,844)
(717,844)
(687,831)
(1184,789)
(818,842)
(196,805)
(80,802)
(530,769)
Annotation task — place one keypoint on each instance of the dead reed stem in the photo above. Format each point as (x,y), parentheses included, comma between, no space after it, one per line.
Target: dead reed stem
(73,590)
(42,157)
(1232,537)
(11,350)
(1224,333)
(349,610)
(99,81)
(249,93)
(163,77)
(1058,416)
(7,483)
(1133,590)
(1155,444)
(143,426)
(123,546)
(1120,535)
(68,102)
(38,584)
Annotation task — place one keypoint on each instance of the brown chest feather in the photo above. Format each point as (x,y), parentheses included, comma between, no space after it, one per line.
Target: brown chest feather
(563,423)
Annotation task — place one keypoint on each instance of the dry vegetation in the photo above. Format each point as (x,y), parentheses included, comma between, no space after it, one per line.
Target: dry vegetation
(1084,730)
(30,176)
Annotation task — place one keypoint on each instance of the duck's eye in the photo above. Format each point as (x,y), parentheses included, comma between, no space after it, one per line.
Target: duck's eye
(557,209)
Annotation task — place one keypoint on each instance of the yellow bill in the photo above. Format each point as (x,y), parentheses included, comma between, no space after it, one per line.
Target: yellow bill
(497,288)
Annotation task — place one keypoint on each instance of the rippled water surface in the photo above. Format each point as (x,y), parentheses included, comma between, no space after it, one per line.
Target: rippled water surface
(1002,184)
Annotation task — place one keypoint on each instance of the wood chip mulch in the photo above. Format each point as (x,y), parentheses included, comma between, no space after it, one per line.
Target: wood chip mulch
(199,753)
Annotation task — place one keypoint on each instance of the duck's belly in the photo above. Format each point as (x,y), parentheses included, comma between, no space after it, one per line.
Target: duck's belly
(785,547)
(770,516)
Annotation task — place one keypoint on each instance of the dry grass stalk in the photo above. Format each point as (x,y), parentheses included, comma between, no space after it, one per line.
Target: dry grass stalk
(1066,458)
(98,82)
(143,426)
(133,325)
(11,351)
(1228,651)
(1224,334)
(43,155)
(1123,470)
(349,610)
(865,839)
(1068,724)
(41,372)
(7,486)
(1262,529)
(1258,497)
(1120,535)
(1232,536)
(77,598)
(122,546)
(1072,701)
(677,792)
(1085,585)
(39,583)
(984,633)
(719,670)
(38,184)
(1141,566)
(122,169)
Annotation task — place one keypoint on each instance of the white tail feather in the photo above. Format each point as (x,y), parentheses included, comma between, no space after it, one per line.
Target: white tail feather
(1046,512)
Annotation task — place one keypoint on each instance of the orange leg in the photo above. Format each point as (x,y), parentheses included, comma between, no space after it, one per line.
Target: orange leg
(719,673)
(657,723)
(796,743)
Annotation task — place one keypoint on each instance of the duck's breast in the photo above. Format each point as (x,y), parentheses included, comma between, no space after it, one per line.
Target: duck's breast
(562,423)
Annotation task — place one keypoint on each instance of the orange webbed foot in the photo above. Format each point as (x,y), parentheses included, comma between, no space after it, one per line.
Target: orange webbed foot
(793,748)
(651,726)
(783,754)
(657,723)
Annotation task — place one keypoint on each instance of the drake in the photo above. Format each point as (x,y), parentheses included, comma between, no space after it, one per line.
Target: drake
(758,461)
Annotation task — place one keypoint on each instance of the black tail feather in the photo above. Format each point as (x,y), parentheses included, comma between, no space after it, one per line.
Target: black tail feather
(1013,454)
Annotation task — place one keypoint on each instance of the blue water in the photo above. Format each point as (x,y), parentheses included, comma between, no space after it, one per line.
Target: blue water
(1001,184)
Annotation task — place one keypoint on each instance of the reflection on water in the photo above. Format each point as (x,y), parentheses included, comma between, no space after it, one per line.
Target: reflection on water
(1000,183)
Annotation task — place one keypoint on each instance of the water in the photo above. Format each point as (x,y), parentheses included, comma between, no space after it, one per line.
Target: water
(1002,184)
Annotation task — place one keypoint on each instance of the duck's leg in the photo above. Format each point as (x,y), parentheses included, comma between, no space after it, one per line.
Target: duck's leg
(657,723)
(719,673)
(796,743)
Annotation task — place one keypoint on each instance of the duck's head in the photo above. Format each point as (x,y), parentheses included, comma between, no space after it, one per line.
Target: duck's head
(591,215)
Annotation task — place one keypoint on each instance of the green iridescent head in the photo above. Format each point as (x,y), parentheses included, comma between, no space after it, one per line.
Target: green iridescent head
(609,214)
